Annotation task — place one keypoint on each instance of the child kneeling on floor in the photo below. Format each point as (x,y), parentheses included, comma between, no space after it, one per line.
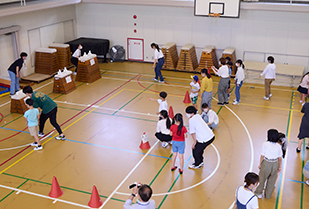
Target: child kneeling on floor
(32,117)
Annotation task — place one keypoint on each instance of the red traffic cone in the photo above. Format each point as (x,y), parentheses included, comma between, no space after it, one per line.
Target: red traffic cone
(171,112)
(187,99)
(55,189)
(145,141)
(95,200)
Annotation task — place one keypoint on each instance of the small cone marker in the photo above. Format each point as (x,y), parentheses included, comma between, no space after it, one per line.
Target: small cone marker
(187,99)
(95,200)
(171,112)
(145,141)
(55,189)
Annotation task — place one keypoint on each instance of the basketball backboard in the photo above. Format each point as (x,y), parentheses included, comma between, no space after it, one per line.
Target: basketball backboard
(226,8)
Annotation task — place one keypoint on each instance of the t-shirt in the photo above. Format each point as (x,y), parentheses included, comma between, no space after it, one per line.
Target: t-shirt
(304,82)
(77,53)
(43,101)
(212,117)
(158,54)
(19,62)
(32,117)
(194,87)
(206,85)
(151,204)
(270,71)
(200,128)
(162,105)
(244,195)
(271,150)
(177,137)
(161,127)
(223,71)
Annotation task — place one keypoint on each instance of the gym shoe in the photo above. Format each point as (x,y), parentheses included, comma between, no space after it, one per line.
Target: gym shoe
(154,79)
(170,142)
(226,103)
(40,134)
(220,104)
(193,166)
(164,144)
(34,144)
(297,150)
(266,98)
(307,182)
(235,103)
(300,101)
(180,171)
(260,196)
(270,95)
(307,147)
(38,147)
(60,137)
(74,73)
(173,168)
(161,81)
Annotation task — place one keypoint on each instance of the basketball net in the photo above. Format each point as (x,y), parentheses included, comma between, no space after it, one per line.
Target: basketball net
(214,18)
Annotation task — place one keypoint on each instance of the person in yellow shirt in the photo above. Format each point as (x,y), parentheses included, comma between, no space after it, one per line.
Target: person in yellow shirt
(206,88)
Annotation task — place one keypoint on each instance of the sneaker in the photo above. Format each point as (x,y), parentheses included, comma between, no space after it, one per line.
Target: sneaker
(226,103)
(154,79)
(193,166)
(307,182)
(270,95)
(266,98)
(260,196)
(164,144)
(297,150)
(307,147)
(161,81)
(300,101)
(180,171)
(219,103)
(38,147)
(40,134)
(60,137)
(235,103)
(34,144)
(170,142)
(173,168)
(75,73)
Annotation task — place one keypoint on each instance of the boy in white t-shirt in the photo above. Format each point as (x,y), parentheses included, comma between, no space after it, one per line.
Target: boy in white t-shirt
(194,89)
(162,102)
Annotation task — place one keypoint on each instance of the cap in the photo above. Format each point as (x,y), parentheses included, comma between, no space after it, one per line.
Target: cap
(194,77)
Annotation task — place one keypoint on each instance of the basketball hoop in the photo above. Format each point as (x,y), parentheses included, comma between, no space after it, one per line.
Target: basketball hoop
(215,17)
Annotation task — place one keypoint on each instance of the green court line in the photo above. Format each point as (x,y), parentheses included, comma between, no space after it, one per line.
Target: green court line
(160,170)
(286,133)
(12,121)
(68,188)
(13,191)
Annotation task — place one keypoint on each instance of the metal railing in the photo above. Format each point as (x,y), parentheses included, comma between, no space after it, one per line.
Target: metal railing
(278,1)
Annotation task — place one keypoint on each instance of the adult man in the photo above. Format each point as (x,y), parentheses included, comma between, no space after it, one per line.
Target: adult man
(209,116)
(49,110)
(14,72)
(144,194)
(75,56)
(201,134)
(270,76)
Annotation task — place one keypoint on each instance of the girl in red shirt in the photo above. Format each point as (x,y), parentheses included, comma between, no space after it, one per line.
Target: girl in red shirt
(178,133)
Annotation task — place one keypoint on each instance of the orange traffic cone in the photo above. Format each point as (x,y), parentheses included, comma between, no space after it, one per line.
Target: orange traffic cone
(55,189)
(145,141)
(187,99)
(95,200)
(171,112)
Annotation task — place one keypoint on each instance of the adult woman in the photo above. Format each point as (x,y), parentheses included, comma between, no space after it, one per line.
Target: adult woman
(270,164)
(223,72)
(14,72)
(163,128)
(159,60)
(240,76)
(245,198)
(304,127)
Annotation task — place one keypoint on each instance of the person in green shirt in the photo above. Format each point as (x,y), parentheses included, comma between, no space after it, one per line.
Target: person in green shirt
(49,110)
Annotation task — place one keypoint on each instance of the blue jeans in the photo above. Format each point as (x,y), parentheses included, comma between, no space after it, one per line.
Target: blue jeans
(14,82)
(237,91)
(158,69)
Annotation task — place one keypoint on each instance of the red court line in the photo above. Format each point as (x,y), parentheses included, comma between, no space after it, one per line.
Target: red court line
(72,117)
(1,118)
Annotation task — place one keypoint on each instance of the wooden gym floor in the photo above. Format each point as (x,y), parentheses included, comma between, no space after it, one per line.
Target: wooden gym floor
(103,122)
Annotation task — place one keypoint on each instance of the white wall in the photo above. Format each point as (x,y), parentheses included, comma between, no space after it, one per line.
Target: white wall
(38,29)
(282,34)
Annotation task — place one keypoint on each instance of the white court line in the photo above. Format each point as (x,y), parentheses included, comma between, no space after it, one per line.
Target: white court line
(44,196)
(5,103)
(105,108)
(129,174)
(191,187)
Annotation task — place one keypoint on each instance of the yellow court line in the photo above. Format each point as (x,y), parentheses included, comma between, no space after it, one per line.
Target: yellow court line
(63,130)
(4,94)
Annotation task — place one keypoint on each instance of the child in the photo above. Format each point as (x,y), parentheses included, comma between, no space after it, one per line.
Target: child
(230,66)
(163,129)
(210,117)
(283,142)
(303,88)
(194,89)
(162,102)
(179,133)
(206,87)
(32,117)
(270,76)
(245,197)
(240,76)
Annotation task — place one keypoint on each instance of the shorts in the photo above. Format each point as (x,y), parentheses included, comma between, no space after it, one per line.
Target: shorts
(194,99)
(302,90)
(179,146)
(33,130)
